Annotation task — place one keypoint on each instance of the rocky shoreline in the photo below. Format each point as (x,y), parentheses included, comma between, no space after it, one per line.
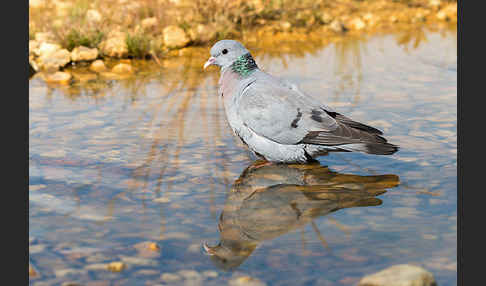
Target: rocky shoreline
(151,35)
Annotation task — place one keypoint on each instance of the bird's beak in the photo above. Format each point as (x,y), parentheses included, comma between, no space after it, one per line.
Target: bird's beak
(210,61)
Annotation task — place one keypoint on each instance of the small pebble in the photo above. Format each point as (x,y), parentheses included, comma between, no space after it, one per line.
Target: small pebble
(210,274)
(170,277)
(162,200)
(116,266)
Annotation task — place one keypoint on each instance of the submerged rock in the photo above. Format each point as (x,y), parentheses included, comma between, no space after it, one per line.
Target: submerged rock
(83,76)
(147,249)
(210,274)
(246,281)
(122,68)
(97,66)
(175,37)
(170,277)
(190,274)
(58,77)
(70,284)
(68,272)
(83,53)
(116,266)
(400,275)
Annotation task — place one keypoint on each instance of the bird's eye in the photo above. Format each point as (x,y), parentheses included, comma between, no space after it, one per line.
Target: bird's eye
(225,51)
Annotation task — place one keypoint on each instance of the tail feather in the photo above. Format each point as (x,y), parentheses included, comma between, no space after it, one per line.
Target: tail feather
(371,148)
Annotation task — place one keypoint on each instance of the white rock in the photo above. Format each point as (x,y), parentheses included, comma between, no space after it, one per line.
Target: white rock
(63,8)
(115,45)
(449,12)
(33,47)
(149,23)
(36,3)
(93,16)
(50,61)
(202,33)
(434,3)
(336,26)
(286,26)
(82,53)
(46,49)
(44,37)
(399,275)
(175,37)
(357,24)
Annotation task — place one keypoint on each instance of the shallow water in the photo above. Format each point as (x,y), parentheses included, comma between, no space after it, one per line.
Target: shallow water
(118,162)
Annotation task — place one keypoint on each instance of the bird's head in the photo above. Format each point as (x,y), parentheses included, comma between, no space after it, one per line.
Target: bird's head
(225,52)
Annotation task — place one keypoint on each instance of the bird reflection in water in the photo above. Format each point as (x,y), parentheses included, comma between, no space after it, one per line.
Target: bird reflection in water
(267,201)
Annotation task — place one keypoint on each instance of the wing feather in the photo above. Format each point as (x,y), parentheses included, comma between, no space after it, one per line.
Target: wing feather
(282,113)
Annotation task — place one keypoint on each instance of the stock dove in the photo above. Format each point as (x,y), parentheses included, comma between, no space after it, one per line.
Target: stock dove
(277,121)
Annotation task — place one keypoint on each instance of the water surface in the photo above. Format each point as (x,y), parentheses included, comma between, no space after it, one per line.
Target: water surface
(118,162)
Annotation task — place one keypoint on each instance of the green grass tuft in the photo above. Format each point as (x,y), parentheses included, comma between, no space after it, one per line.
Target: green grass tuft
(138,45)
(76,38)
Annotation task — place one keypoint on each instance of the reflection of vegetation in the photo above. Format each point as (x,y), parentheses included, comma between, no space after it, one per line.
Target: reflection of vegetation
(267,202)
(348,65)
(415,36)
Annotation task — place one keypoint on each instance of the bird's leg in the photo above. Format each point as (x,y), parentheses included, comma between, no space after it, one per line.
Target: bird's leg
(319,235)
(258,164)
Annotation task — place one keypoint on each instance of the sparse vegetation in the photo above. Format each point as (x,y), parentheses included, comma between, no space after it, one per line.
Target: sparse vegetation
(138,45)
(77,38)
(89,23)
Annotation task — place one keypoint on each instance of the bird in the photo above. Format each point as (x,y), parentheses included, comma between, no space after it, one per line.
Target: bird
(277,121)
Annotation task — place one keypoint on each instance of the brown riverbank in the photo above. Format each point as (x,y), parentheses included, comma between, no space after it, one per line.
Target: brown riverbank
(65,32)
